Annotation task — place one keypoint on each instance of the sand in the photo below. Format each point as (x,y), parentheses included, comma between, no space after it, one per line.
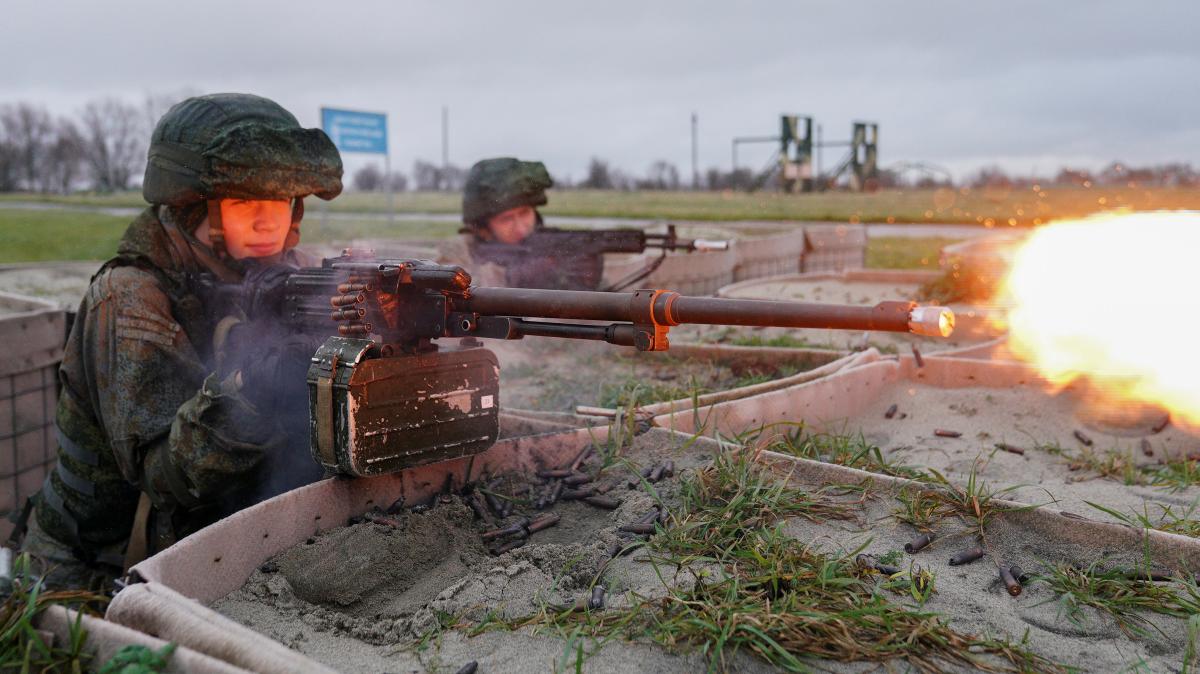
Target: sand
(62,284)
(555,375)
(358,597)
(1028,418)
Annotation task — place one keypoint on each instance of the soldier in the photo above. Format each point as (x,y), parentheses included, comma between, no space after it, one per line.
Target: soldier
(170,411)
(500,201)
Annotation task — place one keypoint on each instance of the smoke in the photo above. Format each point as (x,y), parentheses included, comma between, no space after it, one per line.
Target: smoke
(274,369)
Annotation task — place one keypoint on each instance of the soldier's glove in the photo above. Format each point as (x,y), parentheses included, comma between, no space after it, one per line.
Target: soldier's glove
(269,366)
(263,290)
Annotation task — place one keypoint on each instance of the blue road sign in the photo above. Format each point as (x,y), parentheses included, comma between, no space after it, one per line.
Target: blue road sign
(353,131)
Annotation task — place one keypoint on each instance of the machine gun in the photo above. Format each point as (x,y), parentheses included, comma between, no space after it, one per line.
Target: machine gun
(568,259)
(384,396)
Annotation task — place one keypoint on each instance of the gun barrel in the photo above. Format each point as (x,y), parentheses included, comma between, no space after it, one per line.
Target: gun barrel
(670,308)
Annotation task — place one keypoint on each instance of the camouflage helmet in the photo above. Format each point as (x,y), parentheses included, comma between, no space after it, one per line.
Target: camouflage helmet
(237,146)
(496,185)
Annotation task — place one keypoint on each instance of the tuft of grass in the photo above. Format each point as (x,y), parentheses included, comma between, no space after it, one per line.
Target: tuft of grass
(1122,466)
(920,509)
(781,599)
(1122,598)
(21,646)
(1185,521)
(852,451)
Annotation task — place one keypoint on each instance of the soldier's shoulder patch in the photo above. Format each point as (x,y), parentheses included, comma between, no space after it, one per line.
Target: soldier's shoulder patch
(139,324)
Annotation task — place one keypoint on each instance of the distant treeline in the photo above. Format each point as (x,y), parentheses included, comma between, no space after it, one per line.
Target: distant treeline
(103,148)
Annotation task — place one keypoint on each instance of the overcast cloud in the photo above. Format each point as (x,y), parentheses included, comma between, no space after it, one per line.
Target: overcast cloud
(1027,85)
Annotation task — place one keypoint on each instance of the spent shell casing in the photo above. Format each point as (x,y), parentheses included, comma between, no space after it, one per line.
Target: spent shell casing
(887,569)
(509,546)
(657,474)
(395,507)
(966,556)
(1083,437)
(1147,448)
(576,494)
(507,530)
(669,468)
(555,474)
(649,517)
(637,528)
(1017,573)
(634,483)
(494,503)
(554,492)
(605,502)
(376,518)
(891,411)
(543,522)
(469,668)
(603,488)
(945,433)
(1010,583)
(1149,575)
(1162,424)
(1011,449)
(918,543)
(479,509)
(920,360)
(582,456)
(576,479)
(597,601)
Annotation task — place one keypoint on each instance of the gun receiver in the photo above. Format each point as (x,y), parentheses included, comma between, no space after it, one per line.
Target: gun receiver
(574,259)
(383,396)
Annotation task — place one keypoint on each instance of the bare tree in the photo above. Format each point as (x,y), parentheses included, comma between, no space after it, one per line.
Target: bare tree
(426,176)
(368,178)
(64,157)
(113,137)
(29,131)
(599,176)
(662,176)
(399,181)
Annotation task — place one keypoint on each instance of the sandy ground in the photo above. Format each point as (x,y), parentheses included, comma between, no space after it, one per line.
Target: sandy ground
(555,375)
(355,598)
(1028,418)
(62,284)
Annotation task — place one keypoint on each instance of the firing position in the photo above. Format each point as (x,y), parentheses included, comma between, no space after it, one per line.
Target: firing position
(504,241)
(175,408)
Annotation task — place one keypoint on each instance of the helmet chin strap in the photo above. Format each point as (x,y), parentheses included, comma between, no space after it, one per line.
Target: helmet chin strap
(216,228)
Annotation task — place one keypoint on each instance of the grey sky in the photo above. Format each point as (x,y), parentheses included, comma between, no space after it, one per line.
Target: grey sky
(1027,85)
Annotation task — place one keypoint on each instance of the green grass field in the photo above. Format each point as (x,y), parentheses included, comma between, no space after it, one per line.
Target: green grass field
(997,207)
(32,236)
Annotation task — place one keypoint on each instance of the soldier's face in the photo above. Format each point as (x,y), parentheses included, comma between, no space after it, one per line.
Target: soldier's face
(513,225)
(255,228)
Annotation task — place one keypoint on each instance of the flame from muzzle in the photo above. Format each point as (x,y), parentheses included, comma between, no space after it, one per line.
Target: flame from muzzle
(1113,299)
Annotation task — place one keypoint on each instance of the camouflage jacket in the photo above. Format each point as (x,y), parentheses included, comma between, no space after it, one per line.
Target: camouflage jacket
(141,409)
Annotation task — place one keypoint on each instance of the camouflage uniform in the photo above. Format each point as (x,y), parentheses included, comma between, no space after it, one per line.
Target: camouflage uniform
(144,409)
(492,187)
